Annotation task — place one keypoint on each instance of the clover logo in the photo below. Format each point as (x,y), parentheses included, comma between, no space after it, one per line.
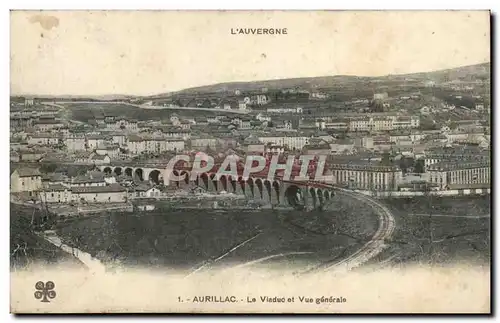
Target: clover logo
(45,291)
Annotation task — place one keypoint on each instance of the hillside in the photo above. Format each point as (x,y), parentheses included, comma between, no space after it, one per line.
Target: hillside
(339,82)
(467,73)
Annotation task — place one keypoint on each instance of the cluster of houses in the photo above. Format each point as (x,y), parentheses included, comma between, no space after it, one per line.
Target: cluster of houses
(92,187)
(39,134)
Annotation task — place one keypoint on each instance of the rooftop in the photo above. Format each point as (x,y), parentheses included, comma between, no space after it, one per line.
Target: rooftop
(28,172)
(112,188)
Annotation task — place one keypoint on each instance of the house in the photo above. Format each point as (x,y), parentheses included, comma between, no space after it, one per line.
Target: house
(282,110)
(44,139)
(201,121)
(47,124)
(253,145)
(262,117)
(342,145)
(242,123)
(138,145)
(110,149)
(56,193)
(380,96)
(28,101)
(318,95)
(75,142)
(185,125)
(198,190)
(121,124)
(119,138)
(203,143)
(242,105)
(14,156)
(292,141)
(144,191)
(94,140)
(56,178)
(114,193)
(25,180)
(275,149)
(425,110)
(124,180)
(84,157)
(100,159)
(178,133)
(91,179)
(30,155)
(317,147)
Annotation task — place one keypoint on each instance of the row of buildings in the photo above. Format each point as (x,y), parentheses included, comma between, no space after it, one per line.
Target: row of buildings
(370,124)
(94,187)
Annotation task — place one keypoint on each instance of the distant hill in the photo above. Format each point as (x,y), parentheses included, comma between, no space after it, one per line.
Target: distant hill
(464,73)
(110,97)
(471,72)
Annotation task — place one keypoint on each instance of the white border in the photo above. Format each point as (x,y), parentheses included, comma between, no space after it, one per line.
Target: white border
(199,4)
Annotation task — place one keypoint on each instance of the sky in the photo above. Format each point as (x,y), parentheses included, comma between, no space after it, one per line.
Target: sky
(151,52)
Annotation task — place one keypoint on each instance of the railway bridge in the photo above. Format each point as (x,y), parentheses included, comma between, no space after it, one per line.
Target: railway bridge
(258,187)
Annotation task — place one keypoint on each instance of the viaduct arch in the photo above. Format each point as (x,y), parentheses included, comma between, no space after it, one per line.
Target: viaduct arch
(276,192)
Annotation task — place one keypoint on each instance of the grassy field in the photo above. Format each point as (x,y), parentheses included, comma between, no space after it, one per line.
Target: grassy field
(26,248)
(84,111)
(185,239)
(450,235)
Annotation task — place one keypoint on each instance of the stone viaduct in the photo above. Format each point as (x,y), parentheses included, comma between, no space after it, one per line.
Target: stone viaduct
(276,192)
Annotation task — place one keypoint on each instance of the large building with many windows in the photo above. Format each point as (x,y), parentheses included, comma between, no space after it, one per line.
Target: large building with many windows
(292,141)
(138,145)
(366,176)
(383,123)
(460,174)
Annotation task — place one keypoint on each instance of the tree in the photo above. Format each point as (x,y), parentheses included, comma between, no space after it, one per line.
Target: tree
(405,163)
(420,166)
(48,168)
(386,159)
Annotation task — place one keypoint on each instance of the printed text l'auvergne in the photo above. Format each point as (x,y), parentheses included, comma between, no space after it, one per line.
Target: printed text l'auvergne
(259,31)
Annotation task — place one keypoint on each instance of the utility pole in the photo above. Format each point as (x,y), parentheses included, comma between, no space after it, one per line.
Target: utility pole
(430,206)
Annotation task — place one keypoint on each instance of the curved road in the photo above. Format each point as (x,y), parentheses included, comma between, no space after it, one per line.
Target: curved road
(377,243)
(369,250)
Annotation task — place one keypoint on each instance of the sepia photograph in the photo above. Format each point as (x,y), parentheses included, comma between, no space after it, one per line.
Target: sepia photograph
(244,162)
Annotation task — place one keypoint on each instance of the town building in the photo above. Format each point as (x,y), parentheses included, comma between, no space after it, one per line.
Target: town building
(292,141)
(110,149)
(44,139)
(341,146)
(283,110)
(113,193)
(317,147)
(121,124)
(25,180)
(95,140)
(143,144)
(144,191)
(75,142)
(100,159)
(30,155)
(203,143)
(56,193)
(366,176)
(47,124)
(460,174)
(252,144)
